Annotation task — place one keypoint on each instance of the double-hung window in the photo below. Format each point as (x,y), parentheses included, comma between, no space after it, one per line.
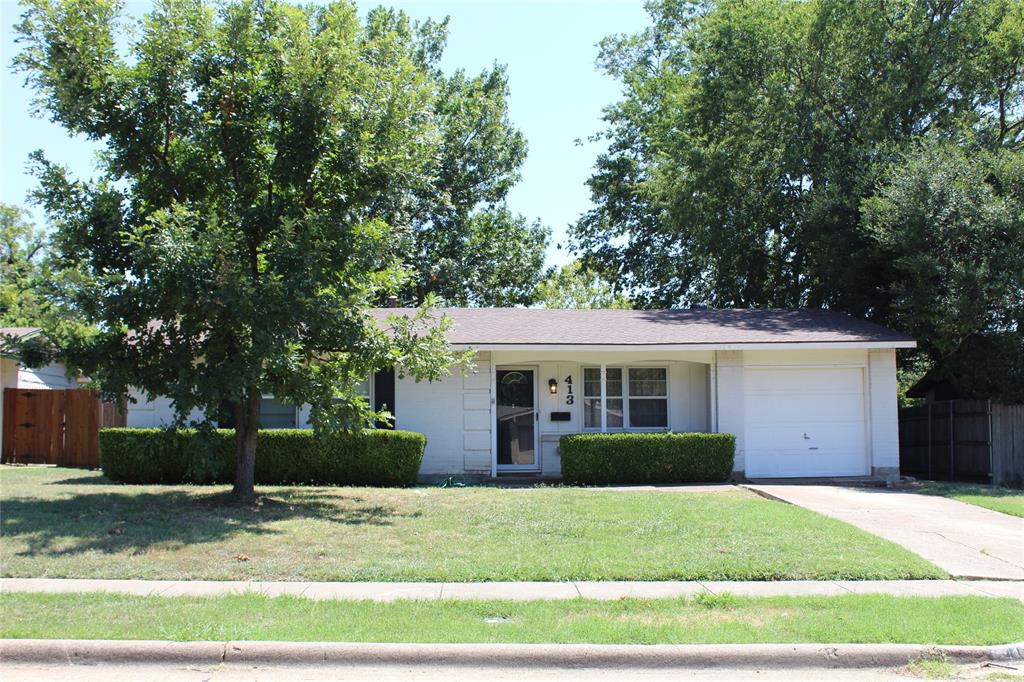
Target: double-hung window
(634,398)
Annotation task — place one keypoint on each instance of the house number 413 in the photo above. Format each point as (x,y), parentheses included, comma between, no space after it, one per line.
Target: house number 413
(569,397)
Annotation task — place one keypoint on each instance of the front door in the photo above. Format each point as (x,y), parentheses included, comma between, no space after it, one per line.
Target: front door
(517,420)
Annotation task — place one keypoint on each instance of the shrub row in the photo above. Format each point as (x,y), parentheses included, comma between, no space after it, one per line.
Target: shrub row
(283,456)
(603,458)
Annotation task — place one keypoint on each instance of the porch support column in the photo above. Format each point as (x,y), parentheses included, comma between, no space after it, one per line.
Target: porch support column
(713,393)
(604,406)
(493,385)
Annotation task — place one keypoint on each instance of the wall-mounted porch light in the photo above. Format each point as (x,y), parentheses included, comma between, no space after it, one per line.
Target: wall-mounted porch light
(553,386)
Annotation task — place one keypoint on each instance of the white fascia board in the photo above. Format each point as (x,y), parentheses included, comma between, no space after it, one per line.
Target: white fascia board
(637,348)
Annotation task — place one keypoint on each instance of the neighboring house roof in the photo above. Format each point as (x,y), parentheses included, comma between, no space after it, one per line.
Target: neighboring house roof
(692,327)
(19,333)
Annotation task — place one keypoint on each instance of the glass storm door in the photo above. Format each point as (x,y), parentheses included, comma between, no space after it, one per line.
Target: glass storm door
(517,419)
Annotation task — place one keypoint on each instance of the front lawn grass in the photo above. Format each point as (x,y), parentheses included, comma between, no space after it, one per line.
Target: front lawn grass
(1005,500)
(65,523)
(848,618)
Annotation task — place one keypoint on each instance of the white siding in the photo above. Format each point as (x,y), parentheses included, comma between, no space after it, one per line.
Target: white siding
(146,414)
(436,410)
(52,376)
(730,395)
(885,428)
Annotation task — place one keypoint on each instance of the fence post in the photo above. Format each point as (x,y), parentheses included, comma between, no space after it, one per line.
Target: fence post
(952,442)
(930,475)
(993,475)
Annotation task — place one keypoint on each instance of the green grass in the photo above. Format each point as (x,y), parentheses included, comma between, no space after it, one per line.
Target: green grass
(70,523)
(932,669)
(848,618)
(1005,500)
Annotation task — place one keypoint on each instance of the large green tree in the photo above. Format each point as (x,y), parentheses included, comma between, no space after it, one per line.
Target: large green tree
(573,286)
(751,132)
(466,246)
(21,250)
(260,162)
(949,224)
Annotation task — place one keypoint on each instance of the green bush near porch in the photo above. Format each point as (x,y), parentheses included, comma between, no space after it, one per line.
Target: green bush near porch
(604,458)
(283,456)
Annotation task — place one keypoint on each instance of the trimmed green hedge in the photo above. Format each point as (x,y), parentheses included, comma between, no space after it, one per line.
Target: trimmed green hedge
(283,456)
(603,458)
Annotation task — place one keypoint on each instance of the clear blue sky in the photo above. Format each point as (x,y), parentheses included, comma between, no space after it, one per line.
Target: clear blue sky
(557,94)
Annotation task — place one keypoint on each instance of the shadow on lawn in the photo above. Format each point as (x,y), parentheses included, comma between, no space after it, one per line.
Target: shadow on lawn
(83,480)
(132,522)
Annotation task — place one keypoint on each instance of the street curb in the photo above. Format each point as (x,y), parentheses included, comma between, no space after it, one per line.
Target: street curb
(562,656)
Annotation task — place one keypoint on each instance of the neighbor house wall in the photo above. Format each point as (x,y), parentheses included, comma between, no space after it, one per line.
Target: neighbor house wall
(49,377)
(8,379)
(145,414)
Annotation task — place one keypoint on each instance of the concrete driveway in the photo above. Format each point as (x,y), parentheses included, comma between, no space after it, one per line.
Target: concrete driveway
(965,540)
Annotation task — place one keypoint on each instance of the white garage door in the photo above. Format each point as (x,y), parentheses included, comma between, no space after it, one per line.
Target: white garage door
(804,422)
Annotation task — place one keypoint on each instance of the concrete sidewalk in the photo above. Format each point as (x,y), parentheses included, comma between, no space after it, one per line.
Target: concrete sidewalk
(519,591)
(964,540)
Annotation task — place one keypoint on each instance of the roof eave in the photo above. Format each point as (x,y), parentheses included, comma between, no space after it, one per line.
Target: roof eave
(637,347)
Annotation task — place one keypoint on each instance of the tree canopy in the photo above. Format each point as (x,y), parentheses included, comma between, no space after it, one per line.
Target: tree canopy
(466,246)
(263,168)
(753,135)
(21,250)
(573,286)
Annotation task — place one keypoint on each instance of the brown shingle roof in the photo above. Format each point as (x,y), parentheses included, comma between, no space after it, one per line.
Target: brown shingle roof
(532,326)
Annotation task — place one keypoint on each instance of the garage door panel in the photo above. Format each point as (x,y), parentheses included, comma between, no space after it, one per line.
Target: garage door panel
(796,465)
(848,435)
(803,381)
(805,422)
(800,408)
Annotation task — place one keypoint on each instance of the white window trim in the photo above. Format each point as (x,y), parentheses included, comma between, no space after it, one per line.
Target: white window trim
(603,428)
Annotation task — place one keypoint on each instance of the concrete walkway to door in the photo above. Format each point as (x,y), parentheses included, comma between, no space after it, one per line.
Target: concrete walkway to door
(965,540)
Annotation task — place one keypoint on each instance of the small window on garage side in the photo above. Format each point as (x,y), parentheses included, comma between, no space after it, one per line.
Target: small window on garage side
(276,415)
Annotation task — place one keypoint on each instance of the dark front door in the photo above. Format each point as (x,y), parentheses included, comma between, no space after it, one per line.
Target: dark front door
(517,419)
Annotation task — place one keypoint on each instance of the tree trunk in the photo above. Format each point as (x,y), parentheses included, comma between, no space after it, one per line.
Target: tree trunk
(247,424)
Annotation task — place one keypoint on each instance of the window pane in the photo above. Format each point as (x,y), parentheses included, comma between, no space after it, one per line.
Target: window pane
(613,381)
(363,388)
(276,415)
(648,413)
(644,381)
(592,413)
(614,413)
(592,381)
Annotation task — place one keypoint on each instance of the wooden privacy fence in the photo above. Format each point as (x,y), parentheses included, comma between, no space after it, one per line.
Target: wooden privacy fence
(56,426)
(963,440)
